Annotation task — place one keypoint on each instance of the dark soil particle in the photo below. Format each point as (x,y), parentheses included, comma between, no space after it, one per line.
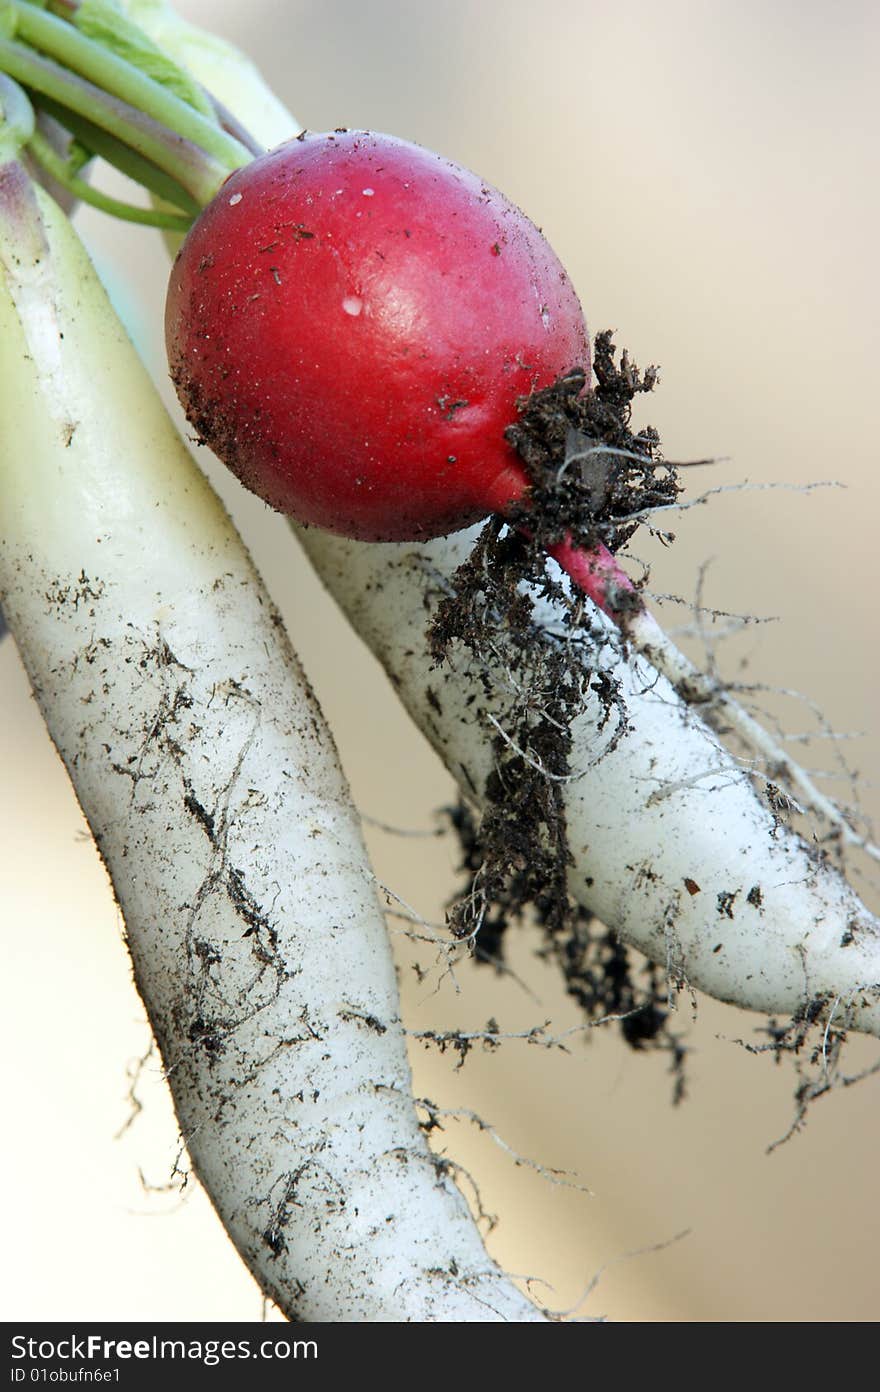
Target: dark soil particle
(590,473)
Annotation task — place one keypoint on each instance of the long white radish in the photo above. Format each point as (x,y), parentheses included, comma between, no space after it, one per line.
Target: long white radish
(673,847)
(211,784)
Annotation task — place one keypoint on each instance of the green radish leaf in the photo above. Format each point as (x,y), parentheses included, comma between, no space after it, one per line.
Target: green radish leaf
(103,21)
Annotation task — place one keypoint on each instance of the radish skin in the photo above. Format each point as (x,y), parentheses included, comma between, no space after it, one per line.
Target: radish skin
(771,928)
(212,787)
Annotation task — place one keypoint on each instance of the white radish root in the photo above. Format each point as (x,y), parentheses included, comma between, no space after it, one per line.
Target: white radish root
(212,787)
(672,846)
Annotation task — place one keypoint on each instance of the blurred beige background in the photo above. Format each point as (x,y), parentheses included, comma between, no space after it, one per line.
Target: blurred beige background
(707,173)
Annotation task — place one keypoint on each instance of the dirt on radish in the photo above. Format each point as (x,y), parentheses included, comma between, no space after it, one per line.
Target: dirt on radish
(591,475)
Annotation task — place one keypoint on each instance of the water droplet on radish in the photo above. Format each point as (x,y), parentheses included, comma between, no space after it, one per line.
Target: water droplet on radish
(236,198)
(368,193)
(353,304)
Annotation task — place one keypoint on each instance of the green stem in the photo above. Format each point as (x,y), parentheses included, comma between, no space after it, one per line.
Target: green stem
(16,119)
(60,170)
(61,41)
(199,173)
(122,157)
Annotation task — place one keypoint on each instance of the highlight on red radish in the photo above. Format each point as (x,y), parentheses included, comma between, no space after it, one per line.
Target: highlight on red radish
(350,325)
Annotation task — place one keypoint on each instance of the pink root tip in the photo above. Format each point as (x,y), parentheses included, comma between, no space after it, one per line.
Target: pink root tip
(598,574)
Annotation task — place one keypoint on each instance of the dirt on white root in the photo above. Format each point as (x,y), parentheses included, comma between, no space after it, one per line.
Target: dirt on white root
(590,473)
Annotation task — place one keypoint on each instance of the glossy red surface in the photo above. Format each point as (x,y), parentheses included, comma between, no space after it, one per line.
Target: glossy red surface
(350,325)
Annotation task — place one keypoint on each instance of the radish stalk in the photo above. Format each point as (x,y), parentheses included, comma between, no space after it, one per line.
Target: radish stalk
(199,166)
(122,157)
(211,785)
(60,169)
(772,927)
(118,78)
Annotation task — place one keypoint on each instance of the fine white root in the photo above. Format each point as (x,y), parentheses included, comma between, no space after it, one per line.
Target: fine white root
(721,709)
(673,846)
(212,788)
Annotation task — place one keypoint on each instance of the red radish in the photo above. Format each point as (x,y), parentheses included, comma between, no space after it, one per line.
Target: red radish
(350,324)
